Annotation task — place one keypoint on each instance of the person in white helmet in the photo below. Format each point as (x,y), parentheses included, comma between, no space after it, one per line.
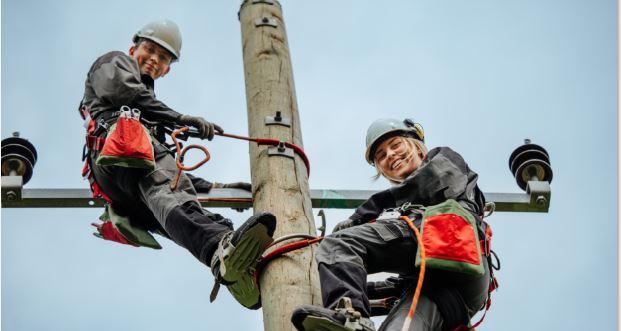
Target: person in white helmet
(118,79)
(375,239)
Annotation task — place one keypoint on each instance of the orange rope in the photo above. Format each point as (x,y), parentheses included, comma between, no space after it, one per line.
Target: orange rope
(421,275)
(180,155)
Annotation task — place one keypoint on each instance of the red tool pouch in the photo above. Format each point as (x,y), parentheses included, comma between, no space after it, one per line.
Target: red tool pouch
(450,238)
(128,143)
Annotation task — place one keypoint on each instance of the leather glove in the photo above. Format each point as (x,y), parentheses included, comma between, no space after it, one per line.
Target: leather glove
(240,185)
(205,129)
(344,225)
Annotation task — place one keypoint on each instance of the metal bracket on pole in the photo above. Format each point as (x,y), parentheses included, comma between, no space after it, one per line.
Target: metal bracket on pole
(256,2)
(539,192)
(238,198)
(265,21)
(280,150)
(267,2)
(278,120)
(12,188)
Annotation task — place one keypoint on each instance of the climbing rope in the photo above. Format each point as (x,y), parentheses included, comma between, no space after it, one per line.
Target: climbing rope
(272,142)
(181,153)
(306,241)
(259,141)
(421,274)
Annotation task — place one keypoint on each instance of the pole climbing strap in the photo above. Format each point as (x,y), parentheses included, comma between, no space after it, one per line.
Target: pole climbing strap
(273,142)
(260,141)
(280,251)
(181,154)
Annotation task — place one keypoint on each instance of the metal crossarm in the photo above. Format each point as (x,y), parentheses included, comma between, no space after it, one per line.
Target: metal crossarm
(537,201)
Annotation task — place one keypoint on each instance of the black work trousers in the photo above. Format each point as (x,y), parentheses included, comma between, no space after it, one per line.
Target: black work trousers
(146,197)
(345,258)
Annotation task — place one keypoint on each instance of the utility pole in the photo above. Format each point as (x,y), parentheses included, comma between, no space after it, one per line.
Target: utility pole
(279,177)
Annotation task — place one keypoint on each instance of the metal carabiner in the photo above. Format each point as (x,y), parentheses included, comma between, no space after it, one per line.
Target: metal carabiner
(125,108)
(135,113)
(489,208)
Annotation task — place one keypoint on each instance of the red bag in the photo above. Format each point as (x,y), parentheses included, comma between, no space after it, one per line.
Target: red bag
(451,240)
(128,143)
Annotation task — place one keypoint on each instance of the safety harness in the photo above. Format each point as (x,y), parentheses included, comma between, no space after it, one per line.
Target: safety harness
(95,141)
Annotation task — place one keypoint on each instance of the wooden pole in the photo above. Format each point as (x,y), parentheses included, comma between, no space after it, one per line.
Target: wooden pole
(280,183)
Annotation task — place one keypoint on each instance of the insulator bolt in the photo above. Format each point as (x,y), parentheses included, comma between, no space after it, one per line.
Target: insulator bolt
(10,195)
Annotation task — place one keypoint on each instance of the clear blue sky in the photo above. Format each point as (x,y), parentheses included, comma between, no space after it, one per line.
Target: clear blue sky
(479,75)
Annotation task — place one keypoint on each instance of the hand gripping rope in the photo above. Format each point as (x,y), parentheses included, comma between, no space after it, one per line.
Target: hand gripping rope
(260,141)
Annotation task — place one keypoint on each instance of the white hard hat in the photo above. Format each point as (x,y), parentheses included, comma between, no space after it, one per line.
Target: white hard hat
(165,33)
(384,128)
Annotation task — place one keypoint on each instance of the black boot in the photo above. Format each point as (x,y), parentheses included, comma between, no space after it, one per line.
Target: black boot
(237,255)
(343,318)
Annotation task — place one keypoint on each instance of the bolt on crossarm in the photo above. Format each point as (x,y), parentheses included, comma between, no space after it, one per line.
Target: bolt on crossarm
(279,177)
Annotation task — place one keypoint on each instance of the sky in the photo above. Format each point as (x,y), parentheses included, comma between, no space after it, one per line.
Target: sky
(479,75)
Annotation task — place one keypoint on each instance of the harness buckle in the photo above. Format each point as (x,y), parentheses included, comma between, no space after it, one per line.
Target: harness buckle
(389,214)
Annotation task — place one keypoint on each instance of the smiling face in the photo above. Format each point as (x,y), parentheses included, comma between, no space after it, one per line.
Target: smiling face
(397,157)
(153,60)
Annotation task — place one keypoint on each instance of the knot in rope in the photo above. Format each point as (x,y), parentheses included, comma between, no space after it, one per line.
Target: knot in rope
(180,154)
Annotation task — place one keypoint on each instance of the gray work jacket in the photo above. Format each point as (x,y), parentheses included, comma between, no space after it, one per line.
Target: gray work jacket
(114,80)
(442,175)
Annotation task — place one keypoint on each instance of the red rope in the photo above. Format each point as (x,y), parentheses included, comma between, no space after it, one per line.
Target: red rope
(264,260)
(272,142)
(180,155)
(259,141)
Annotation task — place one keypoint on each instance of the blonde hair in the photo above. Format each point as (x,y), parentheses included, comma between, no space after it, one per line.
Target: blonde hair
(416,146)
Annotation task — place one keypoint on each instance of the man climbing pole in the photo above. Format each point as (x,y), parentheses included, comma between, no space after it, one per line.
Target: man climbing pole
(434,196)
(131,167)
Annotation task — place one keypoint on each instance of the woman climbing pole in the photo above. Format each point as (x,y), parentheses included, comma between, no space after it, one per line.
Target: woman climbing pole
(437,191)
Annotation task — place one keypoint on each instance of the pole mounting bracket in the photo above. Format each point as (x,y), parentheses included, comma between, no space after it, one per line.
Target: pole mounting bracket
(265,21)
(278,120)
(280,150)
(12,188)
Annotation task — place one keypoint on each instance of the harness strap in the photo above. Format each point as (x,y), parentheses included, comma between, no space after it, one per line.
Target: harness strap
(94,142)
